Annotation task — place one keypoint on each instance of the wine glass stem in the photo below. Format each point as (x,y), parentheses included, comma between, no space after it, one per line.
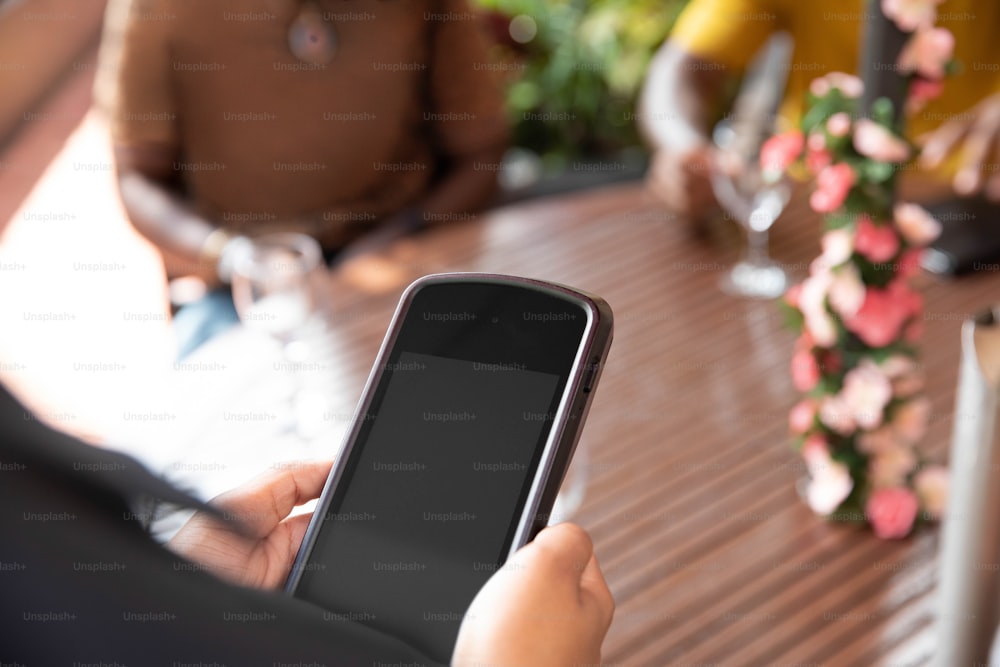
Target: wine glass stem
(756,253)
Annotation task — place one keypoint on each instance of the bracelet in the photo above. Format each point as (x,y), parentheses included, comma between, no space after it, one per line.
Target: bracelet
(211,248)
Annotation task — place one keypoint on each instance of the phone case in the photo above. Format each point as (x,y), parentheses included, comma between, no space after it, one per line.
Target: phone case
(567,424)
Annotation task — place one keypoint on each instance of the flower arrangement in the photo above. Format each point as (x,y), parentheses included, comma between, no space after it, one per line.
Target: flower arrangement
(862,415)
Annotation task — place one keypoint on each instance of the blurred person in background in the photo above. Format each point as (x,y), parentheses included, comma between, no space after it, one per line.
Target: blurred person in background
(232,118)
(690,82)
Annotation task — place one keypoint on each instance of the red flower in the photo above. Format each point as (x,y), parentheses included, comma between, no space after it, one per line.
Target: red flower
(805,370)
(909,263)
(881,317)
(792,295)
(801,418)
(876,243)
(921,91)
(891,512)
(832,185)
(817,161)
(780,151)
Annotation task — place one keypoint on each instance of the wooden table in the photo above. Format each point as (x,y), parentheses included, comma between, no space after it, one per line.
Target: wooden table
(712,557)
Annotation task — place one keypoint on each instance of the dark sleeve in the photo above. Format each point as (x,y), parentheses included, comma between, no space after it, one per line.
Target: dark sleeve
(82,583)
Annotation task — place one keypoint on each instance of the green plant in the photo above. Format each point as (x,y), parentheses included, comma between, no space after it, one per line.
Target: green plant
(581,71)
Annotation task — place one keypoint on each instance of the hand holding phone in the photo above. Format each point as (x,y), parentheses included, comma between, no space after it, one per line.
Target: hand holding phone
(455,454)
(549,605)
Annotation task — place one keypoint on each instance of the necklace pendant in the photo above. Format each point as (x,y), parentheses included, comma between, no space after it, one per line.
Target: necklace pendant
(312,39)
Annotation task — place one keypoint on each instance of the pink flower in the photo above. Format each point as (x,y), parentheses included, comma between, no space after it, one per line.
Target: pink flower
(891,512)
(805,370)
(839,124)
(792,295)
(832,185)
(838,244)
(909,15)
(909,263)
(904,374)
(916,225)
(816,141)
(848,84)
(817,161)
(816,454)
(847,292)
(911,301)
(780,151)
(880,319)
(877,243)
(932,488)
(927,52)
(836,415)
(922,91)
(909,420)
(830,481)
(800,418)
(878,143)
(865,394)
(812,302)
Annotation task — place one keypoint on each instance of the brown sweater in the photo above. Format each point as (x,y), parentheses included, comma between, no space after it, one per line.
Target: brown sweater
(259,138)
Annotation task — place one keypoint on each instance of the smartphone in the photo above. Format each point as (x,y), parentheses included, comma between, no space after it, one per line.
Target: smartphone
(456,451)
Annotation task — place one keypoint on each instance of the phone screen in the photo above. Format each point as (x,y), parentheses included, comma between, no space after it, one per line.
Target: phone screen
(433,488)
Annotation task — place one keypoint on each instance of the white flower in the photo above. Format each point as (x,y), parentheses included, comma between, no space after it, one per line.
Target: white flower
(866,392)
(839,124)
(875,141)
(847,291)
(909,15)
(838,244)
(830,481)
(848,84)
(836,415)
(829,488)
(812,303)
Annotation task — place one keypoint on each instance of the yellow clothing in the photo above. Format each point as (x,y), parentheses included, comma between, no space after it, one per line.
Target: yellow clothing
(827,36)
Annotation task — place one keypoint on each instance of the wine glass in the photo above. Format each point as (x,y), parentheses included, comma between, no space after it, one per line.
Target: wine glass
(274,292)
(755,200)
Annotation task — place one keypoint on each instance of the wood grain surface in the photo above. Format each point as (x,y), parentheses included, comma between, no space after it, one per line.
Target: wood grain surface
(691,500)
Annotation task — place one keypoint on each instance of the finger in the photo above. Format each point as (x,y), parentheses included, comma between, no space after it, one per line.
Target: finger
(941,142)
(976,147)
(562,550)
(593,584)
(992,188)
(297,526)
(267,499)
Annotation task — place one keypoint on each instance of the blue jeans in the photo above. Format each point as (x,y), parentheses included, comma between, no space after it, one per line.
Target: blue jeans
(199,321)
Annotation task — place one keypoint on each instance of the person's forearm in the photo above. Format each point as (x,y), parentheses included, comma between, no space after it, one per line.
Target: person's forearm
(469,186)
(168,222)
(682,96)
